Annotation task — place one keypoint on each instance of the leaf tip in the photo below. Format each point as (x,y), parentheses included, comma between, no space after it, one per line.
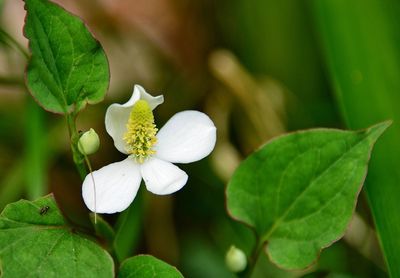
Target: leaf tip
(378,129)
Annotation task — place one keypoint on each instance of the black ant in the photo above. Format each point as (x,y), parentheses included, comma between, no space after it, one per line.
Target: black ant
(44,210)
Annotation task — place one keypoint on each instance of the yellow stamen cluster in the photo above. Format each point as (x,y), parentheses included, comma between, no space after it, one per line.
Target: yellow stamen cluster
(141,132)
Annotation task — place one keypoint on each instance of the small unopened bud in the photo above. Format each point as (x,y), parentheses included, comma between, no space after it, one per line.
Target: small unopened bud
(235,259)
(89,142)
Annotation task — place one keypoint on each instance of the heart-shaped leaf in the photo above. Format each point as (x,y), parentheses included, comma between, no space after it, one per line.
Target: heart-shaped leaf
(35,241)
(146,266)
(68,67)
(299,191)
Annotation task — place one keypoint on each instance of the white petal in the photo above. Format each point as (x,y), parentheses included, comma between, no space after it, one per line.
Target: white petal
(153,101)
(188,136)
(162,177)
(117,115)
(116,187)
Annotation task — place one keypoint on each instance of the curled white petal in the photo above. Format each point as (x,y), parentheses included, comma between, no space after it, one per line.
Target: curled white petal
(117,115)
(162,177)
(187,137)
(116,187)
(152,101)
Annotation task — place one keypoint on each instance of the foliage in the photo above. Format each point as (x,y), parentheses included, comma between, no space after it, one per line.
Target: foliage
(35,240)
(298,198)
(298,192)
(147,266)
(68,67)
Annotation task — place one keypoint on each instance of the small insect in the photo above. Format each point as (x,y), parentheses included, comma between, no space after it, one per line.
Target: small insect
(44,210)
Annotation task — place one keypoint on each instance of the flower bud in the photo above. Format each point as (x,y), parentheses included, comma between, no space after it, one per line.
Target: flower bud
(89,142)
(235,259)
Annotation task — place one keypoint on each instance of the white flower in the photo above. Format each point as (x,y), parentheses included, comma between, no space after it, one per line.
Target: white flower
(187,137)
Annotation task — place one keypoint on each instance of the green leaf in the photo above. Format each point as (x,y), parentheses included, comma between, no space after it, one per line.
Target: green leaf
(144,266)
(68,67)
(299,191)
(35,241)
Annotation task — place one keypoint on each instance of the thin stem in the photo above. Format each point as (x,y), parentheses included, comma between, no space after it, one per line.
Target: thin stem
(94,185)
(254,257)
(78,158)
(13,42)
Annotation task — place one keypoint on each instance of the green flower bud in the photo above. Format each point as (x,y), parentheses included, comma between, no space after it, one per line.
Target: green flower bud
(89,142)
(235,259)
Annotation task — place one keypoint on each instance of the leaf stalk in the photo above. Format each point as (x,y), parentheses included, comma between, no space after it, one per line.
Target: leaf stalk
(77,156)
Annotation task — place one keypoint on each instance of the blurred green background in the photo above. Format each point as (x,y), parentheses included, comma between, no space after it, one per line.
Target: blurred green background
(259,68)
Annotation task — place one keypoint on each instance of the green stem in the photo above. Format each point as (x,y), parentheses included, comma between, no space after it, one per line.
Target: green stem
(254,257)
(78,158)
(14,43)
(94,184)
(36,152)
(128,229)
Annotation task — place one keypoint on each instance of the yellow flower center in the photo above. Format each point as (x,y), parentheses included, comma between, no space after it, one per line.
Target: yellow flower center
(141,132)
